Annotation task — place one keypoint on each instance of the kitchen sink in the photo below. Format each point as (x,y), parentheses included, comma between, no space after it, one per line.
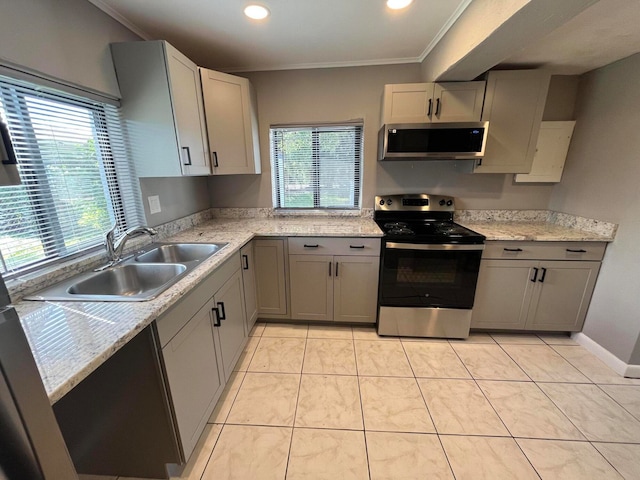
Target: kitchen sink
(180,252)
(141,277)
(128,280)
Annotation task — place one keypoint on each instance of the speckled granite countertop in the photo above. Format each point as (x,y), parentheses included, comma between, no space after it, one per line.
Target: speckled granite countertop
(71,339)
(534,231)
(536,225)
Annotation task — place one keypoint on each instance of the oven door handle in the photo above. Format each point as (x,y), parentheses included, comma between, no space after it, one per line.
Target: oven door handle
(429,246)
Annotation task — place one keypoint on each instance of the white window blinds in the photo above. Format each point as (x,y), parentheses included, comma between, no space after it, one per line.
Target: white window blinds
(316,166)
(76,179)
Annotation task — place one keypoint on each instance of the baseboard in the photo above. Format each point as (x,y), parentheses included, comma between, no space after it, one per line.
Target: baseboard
(613,362)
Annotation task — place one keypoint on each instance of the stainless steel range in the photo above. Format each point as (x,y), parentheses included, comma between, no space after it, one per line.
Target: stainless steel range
(429,267)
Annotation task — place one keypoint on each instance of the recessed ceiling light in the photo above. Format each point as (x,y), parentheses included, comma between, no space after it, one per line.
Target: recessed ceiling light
(257,12)
(398,4)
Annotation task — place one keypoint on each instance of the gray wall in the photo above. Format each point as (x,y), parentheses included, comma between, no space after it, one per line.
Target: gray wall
(65,39)
(601,181)
(179,197)
(346,93)
(69,40)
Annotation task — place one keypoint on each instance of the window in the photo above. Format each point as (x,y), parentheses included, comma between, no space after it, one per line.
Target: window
(316,166)
(75,179)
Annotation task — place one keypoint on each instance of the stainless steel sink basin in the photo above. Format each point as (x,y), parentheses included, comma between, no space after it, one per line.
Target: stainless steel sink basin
(139,278)
(180,252)
(128,280)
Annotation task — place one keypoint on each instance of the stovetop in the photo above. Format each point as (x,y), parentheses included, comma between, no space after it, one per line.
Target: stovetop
(421,218)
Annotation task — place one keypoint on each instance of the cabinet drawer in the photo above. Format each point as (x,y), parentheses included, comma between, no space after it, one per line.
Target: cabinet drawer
(545,250)
(334,246)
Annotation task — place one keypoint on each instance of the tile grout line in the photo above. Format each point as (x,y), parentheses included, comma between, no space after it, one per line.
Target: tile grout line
(614,400)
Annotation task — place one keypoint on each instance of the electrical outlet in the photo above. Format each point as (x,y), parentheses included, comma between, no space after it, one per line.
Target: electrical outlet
(154,204)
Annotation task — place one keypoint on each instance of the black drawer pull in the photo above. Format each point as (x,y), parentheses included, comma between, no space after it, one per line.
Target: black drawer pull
(535,275)
(337,264)
(544,274)
(311,246)
(330,268)
(512,249)
(216,313)
(574,250)
(356,246)
(245,262)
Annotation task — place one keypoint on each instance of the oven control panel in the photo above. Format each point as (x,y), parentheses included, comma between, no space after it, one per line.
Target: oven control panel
(421,202)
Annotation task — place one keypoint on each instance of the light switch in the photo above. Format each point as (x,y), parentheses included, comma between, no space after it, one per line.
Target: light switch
(154,204)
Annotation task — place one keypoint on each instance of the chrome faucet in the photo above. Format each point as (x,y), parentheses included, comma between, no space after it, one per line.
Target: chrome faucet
(115,247)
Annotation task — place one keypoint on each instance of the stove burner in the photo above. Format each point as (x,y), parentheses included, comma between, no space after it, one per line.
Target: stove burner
(398,228)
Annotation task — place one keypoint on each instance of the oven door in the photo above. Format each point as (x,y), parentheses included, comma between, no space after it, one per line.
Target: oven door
(428,275)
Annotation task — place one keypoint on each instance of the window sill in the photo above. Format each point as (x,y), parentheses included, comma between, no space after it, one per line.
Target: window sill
(289,212)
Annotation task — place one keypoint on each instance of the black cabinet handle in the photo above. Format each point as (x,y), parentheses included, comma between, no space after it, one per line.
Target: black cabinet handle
(429,111)
(535,275)
(216,313)
(512,249)
(188,155)
(245,262)
(337,268)
(437,107)
(311,246)
(356,246)
(578,250)
(215,159)
(223,315)
(544,274)
(329,268)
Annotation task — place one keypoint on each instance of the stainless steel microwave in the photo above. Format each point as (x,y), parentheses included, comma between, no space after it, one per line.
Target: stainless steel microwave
(432,141)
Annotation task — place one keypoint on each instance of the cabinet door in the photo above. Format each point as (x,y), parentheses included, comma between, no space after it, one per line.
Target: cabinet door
(551,152)
(355,288)
(228,109)
(270,277)
(311,279)
(249,284)
(564,294)
(229,305)
(195,379)
(513,105)
(186,97)
(458,102)
(407,103)
(503,294)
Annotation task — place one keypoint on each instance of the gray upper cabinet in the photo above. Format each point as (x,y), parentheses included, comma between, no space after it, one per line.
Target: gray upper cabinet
(162,109)
(513,105)
(432,102)
(232,123)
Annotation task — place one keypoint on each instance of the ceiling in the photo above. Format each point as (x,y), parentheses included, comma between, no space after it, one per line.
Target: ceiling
(332,33)
(298,34)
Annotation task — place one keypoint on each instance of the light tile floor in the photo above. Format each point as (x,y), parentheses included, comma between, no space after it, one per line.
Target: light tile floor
(339,402)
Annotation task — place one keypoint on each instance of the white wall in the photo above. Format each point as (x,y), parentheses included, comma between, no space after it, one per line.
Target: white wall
(340,94)
(602,180)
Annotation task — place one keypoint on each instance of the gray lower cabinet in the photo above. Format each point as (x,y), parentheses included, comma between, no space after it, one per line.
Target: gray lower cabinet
(194,376)
(230,322)
(529,294)
(328,286)
(249,284)
(271,288)
(202,338)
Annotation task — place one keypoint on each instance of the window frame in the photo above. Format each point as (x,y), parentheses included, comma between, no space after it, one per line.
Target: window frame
(278,181)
